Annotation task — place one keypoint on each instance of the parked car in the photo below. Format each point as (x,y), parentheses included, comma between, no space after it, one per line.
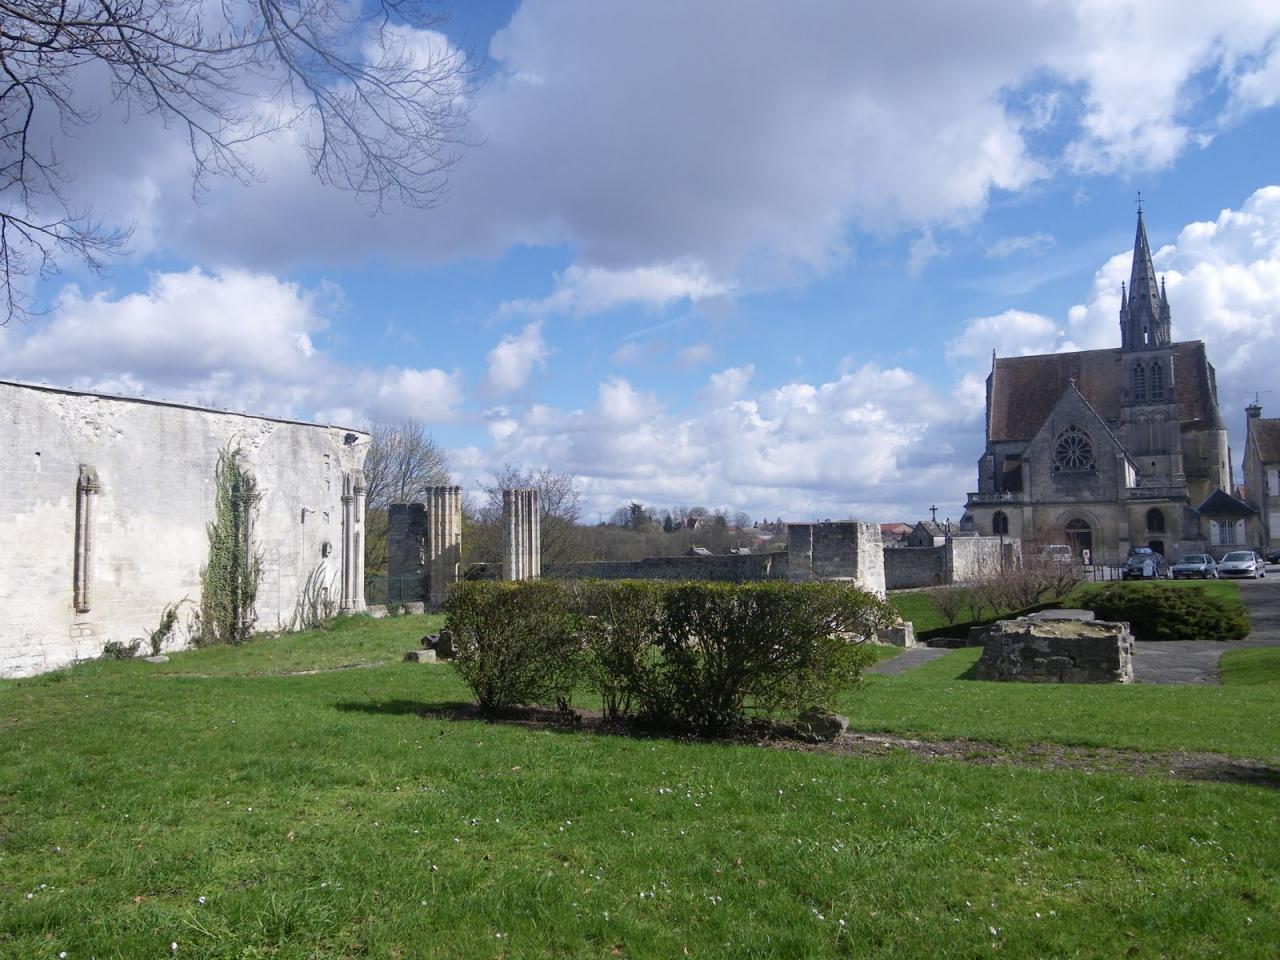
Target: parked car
(1199,566)
(1144,564)
(1058,552)
(1273,556)
(1242,563)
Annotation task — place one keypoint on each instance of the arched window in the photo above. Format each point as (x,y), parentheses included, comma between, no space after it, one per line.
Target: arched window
(1157,381)
(1073,453)
(1155,520)
(999,523)
(1139,382)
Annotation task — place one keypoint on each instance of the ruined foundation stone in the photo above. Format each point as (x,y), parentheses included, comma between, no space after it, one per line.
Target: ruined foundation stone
(521,535)
(1057,651)
(901,634)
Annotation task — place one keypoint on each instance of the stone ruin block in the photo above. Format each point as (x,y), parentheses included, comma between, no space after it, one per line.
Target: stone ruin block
(900,634)
(1057,651)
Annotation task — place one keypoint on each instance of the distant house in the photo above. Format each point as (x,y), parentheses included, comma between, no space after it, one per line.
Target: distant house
(927,534)
(1229,523)
(698,552)
(891,534)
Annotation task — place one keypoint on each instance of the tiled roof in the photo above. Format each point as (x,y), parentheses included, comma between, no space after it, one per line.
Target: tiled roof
(1222,504)
(1266,434)
(1024,390)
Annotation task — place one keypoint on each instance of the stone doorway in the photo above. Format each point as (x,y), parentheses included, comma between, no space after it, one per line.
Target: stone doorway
(1079,537)
(1157,546)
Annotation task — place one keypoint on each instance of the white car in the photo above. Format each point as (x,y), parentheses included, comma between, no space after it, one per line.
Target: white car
(1242,563)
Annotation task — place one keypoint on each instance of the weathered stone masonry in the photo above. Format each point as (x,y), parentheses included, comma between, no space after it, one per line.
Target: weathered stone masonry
(104,506)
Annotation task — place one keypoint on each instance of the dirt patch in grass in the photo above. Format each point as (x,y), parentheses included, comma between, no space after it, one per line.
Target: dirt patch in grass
(1178,764)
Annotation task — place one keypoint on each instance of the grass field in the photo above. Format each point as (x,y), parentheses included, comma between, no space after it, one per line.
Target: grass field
(221,804)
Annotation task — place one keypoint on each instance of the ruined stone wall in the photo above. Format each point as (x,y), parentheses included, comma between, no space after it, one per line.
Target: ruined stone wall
(734,569)
(839,550)
(406,552)
(906,567)
(146,525)
(977,558)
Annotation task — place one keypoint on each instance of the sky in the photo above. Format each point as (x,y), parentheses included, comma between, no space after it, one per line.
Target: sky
(734,254)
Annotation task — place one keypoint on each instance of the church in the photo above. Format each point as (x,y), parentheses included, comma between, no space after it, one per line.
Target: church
(1106,450)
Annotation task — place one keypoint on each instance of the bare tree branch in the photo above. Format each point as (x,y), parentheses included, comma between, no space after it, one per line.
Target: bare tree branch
(379,102)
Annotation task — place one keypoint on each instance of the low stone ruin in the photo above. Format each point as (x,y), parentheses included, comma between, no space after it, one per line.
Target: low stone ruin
(435,647)
(900,634)
(1057,651)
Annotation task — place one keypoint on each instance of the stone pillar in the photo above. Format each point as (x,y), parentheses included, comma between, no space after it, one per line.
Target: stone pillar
(87,488)
(406,552)
(521,535)
(444,541)
(353,488)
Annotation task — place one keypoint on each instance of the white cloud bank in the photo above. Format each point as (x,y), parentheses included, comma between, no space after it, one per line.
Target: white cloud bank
(736,152)
(233,339)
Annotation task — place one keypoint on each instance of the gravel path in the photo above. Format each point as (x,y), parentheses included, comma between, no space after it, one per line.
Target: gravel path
(906,660)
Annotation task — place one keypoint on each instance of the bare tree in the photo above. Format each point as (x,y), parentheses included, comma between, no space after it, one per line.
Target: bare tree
(380,109)
(402,462)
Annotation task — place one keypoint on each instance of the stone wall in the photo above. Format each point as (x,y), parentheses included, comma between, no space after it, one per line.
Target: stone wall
(1057,651)
(840,550)
(731,568)
(906,567)
(976,558)
(406,552)
(142,538)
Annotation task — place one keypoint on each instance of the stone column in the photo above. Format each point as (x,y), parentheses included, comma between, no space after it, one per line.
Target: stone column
(87,488)
(349,539)
(357,509)
(521,535)
(444,541)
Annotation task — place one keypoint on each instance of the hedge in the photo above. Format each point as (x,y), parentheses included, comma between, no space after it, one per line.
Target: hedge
(1155,612)
(690,656)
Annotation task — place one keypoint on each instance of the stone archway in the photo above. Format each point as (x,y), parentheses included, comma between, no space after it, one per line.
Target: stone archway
(1079,536)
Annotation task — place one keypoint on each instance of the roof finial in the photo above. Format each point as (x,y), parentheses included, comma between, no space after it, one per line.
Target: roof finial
(1139,203)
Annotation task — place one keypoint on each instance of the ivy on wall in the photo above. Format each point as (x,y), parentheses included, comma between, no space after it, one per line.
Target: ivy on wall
(229,581)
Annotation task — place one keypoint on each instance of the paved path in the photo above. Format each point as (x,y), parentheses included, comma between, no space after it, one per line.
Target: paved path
(1182,662)
(1197,661)
(911,657)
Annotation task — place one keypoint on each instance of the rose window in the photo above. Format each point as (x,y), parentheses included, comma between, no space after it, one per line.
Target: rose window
(1073,452)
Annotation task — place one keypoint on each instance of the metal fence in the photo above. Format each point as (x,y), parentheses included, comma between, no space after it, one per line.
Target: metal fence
(1098,572)
(404,588)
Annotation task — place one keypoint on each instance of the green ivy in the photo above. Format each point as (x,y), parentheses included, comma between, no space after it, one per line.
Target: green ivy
(229,581)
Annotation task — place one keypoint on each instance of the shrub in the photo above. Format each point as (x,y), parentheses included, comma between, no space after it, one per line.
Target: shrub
(774,645)
(619,624)
(1157,612)
(514,643)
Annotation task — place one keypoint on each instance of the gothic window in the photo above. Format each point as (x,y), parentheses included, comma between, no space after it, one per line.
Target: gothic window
(1073,453)
(999,523)
(1139,383)
(1157,381)
(1155,520)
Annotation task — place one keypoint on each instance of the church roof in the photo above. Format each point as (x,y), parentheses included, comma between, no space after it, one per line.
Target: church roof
(1266,434)
(1222,504)
(1024,390)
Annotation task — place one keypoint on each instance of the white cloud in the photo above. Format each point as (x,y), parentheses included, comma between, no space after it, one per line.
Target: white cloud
(923,249)
(232,339)
(670,184)
(695,354)
(513,361)
(1012,333)
(584,290)
(1033,244)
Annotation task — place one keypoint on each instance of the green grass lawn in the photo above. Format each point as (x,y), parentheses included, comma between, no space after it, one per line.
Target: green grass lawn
(1239,717)
(216,803)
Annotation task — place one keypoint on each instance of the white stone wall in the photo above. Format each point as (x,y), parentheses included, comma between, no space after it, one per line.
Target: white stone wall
(155,464)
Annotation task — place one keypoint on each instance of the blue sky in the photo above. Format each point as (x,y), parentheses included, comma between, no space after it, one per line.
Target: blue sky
(753,256)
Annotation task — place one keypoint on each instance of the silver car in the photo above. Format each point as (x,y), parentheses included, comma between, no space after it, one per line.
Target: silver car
(1242,563)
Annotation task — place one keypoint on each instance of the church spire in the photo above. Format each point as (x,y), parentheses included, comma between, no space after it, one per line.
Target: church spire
(1144,317)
